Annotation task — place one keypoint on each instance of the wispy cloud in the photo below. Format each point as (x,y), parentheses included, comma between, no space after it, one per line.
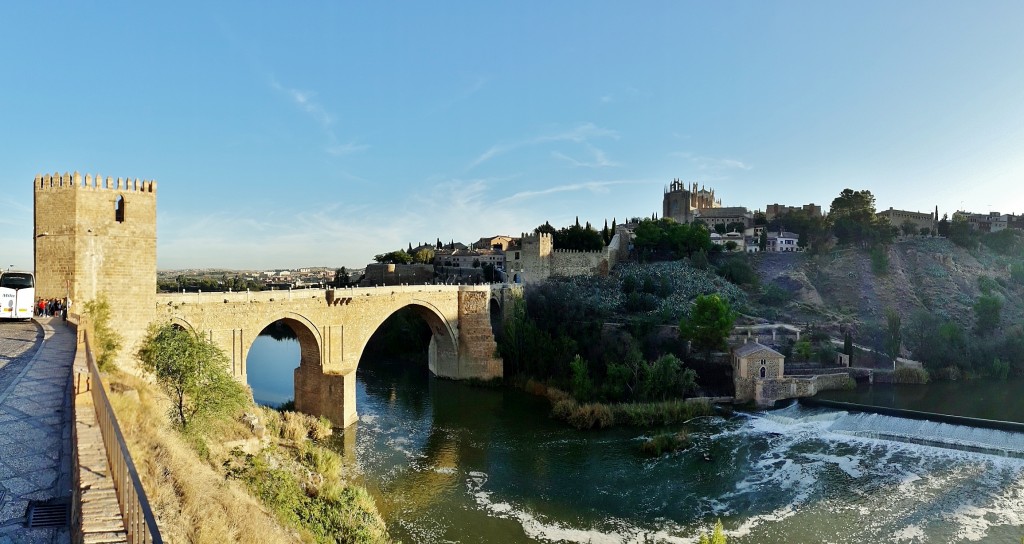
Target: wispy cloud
(592,186)
(712,163)
(600,159)
(578,134)
(306,101)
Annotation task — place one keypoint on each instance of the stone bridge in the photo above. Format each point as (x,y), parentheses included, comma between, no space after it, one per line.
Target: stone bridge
(333,327)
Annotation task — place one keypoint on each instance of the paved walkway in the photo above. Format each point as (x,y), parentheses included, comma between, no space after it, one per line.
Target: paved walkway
(35,426)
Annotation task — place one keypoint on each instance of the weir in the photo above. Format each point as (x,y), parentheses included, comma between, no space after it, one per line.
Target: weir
(1001,438)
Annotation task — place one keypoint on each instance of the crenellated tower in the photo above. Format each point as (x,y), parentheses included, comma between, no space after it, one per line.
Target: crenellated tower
(97,236)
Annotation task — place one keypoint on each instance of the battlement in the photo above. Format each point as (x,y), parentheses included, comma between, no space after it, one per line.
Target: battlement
(76,181)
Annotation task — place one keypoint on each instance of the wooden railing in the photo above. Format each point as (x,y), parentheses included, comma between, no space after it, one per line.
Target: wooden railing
(139,522)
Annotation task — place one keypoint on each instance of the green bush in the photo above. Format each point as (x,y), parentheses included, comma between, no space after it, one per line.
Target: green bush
(331,514)
(737,270)
(663,443)
(106,342)
(773,295)
(880,260)
(910,375)
(1000,369)
(986,285)
(948,374)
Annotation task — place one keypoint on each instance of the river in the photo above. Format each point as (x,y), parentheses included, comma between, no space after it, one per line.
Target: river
(448,462)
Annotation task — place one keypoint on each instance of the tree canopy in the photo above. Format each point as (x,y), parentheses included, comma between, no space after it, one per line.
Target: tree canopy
(665,239)
(709,323)
(576,237)
(853,220)
(193,373)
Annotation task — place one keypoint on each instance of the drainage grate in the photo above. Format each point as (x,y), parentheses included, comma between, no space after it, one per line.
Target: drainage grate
(47,514)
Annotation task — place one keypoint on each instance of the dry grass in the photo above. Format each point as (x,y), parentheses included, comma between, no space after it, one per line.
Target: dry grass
(192,501)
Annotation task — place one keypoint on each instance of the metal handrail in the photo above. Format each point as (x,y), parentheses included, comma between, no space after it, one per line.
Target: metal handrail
(136,514)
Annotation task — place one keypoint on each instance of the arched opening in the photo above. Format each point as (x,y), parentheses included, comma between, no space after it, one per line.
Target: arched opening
(394,366)
(496,318)
(764,372)
(119,209)
(275,353)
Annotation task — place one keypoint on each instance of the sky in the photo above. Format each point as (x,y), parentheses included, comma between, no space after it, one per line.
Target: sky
(315,133)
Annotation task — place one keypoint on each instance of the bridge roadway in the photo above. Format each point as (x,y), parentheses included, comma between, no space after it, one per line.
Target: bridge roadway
(35,425)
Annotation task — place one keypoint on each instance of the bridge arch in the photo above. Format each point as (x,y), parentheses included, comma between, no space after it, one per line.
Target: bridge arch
(443,351)
(309,337)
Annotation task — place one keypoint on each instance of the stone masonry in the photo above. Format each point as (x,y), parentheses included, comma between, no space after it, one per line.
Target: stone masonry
(333,326)
(96,237)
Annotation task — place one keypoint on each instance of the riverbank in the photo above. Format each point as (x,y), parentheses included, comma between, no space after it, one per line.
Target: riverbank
(260,479)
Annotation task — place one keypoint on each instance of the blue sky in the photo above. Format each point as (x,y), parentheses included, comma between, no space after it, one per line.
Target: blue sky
(322,133)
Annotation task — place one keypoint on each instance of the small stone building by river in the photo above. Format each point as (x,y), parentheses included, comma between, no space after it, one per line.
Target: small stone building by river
(759,375)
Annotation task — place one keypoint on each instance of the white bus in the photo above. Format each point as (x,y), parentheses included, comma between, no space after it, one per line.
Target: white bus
(17,295)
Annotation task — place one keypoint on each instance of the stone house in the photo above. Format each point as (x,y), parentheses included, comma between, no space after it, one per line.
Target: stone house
(755,366)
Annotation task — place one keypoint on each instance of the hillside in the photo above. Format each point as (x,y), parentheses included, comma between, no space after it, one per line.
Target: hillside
(841,289)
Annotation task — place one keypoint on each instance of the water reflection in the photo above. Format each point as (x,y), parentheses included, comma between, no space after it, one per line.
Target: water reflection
(270,369)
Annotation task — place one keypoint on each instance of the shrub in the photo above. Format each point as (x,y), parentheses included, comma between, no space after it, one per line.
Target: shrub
(292,427)
(107,341)
(717,535)
(663,443)
(1000,369)
(582,385)
(737,270)
(880,261)
(591,415)
(949,374)
(910,375)
(827,353)
(773,295)
(986,285)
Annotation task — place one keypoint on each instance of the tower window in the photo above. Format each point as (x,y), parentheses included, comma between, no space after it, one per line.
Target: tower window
(119,209)
(764,372)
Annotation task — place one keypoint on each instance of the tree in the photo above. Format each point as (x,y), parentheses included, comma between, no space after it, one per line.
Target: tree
(961,234)
(709,324)
(395,257)
(853,220)
(908,227)
(341,277)
(943,226)
(987,311)
(193,373)
(720,228)
(804,350)
(424,256)
(893,334)
(848,346)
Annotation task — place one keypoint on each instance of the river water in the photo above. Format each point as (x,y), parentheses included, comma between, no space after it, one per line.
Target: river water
(452,463)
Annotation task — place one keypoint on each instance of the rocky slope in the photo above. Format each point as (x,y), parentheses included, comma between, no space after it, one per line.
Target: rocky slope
(840,289)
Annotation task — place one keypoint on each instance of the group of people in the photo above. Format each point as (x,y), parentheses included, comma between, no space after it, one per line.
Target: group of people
(53,307)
